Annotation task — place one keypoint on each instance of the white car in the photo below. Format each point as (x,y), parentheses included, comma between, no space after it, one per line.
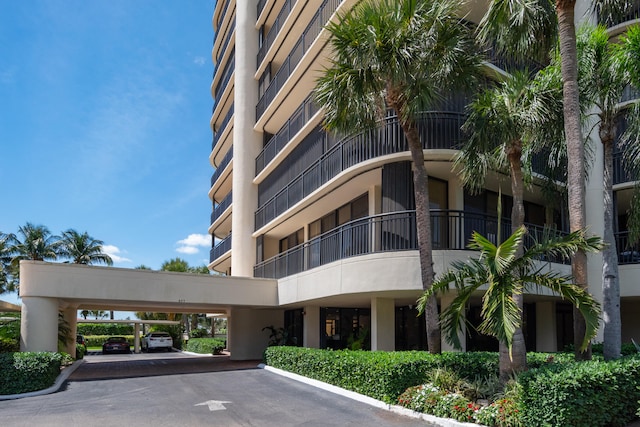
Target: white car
(156,340)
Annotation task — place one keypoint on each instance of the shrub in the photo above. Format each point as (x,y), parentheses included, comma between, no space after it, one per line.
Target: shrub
(378,374)
(28,371)
(109,329)
(592,393)
(205,345)
(9,345)
(80,351)
(98,340)
(198,333)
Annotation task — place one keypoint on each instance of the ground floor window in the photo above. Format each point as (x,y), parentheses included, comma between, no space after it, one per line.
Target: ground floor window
(410,329)
(294,327)
(342,328)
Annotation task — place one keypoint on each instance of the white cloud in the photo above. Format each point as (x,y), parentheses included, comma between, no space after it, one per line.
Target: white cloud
(113,252)
(191,245)
(199,60)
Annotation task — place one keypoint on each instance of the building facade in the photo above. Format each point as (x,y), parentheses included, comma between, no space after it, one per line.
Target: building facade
(332,217)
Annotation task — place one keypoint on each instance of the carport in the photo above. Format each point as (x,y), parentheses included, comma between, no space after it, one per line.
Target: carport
(137,324)
(49,288)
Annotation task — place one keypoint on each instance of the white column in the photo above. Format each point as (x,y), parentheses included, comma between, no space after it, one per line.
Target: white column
(445,301)
(311,327)
(383,330)
(39,324)
(245,327)
(246,142)
(136,337)
(546,332)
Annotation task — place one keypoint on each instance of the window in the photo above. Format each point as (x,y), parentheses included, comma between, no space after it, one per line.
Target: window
(292,240)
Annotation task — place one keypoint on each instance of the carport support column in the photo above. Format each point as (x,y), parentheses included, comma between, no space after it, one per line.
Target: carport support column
(311,327)
(70,315)
(136,337)
(39,324)
(246,339)
(383,331)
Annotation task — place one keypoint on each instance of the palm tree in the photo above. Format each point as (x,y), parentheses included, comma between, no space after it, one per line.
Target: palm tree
(82,248)
(505,273)
(6,253)
(33,242)
(531,27)
(404,55)
(501,127)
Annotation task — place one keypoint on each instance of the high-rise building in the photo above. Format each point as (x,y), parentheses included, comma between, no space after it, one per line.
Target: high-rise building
(332,217)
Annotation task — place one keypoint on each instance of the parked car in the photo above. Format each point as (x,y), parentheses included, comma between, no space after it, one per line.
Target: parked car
(116,345)
(82,341)
(157,340)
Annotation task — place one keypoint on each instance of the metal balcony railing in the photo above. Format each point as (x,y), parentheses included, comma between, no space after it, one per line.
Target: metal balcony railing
(220,249)
(224,12)
(219,208)
(223,164)
(275,29)
(390,232)
(438,130)
(223,125)
(297,53)
(298,119)
(260,6)
(227,72)
(230,31)
(627,253)
(632,13)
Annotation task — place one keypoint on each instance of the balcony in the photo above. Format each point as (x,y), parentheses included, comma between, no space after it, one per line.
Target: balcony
(275,29)
(220,249)
(627,253)
(226,76)
(218,133)
(260,6)
(227,39)
(390,232)
(438,130)
(633,13)
(223,164)
(224,12)
(219,208)
(297,53)
(298,119)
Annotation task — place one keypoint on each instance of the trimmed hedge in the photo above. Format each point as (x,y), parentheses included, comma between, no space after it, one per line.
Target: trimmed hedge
(9,345)
(28,371)
(378,374)
(109,329)
(592,393)
(205,345)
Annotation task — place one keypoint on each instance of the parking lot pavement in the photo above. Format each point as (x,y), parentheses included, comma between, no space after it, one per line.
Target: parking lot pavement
(107,366)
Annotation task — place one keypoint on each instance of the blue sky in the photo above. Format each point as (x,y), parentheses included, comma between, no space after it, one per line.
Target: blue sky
(104,124)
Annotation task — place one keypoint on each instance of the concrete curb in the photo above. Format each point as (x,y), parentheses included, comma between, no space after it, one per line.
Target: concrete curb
(64,375)
(443,422)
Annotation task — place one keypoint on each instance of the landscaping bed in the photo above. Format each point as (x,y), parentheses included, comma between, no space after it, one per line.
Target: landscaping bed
(22,372)
(554,392)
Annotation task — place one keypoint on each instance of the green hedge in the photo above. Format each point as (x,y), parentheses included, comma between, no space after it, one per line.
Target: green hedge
(9,345)
(381,375)
(105,329)
(28,371)
(205,345)
(592,393)
(98,340)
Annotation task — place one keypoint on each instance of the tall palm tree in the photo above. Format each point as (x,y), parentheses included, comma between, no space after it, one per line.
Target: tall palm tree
(404,55)
(33,242)
(6,253)
(531,27)
(82,248)
(505,273)
(501,127)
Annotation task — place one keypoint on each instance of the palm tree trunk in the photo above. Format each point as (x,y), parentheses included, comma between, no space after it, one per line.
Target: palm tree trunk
(517,360)
(423,225)
(575,154)
(610,280)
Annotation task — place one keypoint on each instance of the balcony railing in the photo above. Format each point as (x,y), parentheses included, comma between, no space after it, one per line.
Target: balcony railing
(620,174)
(221,16)
(391,232)
(633,13)
(223,164)
(627,253)
(218,132)
(220,249)
(260,6)
(438,130)
(298,119)
(221,207)
(228,71)
(232,28)
(275,29)
(297,53)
